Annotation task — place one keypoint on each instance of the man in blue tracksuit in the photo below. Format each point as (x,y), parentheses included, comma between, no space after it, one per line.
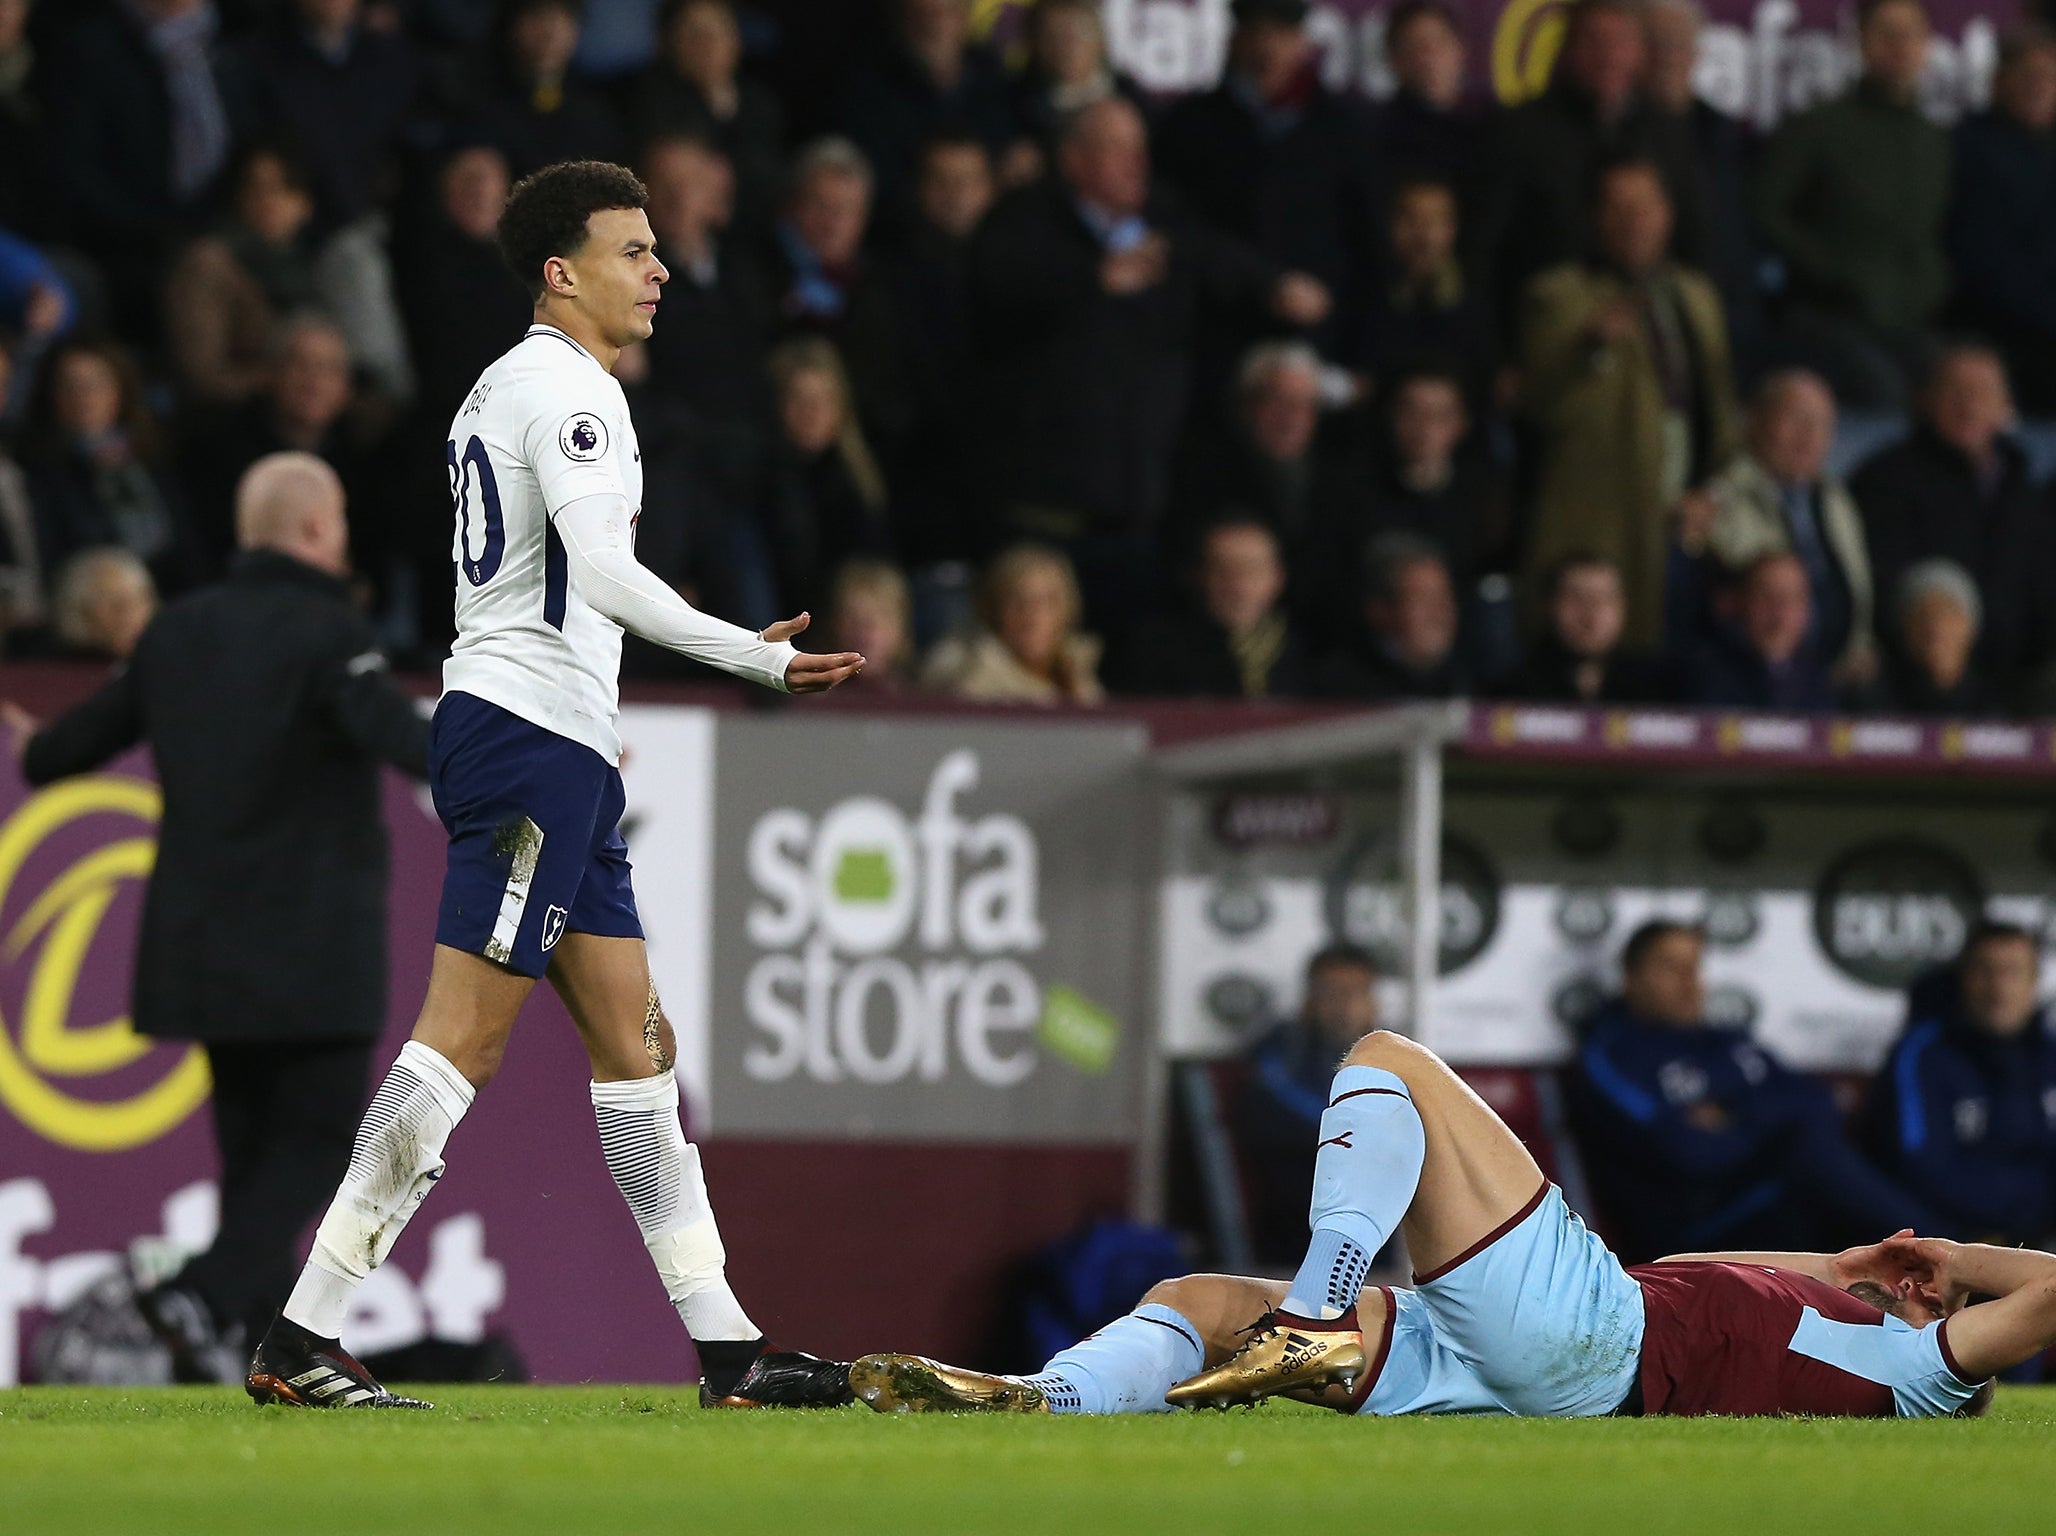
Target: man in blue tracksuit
(1964,1111)
(1696,1138)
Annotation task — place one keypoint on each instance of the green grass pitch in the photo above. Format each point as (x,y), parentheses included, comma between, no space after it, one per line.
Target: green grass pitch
(621,1460)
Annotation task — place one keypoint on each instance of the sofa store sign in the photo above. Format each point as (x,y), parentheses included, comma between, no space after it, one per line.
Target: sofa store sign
(926,931)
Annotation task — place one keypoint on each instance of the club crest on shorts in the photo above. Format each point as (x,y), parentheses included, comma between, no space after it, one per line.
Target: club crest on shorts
(582,437)
(553,926)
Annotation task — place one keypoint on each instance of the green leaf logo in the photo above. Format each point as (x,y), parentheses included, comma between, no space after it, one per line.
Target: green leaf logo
(1078,1030)
(864,875)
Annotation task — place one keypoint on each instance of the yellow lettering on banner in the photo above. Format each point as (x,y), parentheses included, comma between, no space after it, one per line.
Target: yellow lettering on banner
(1524,48)
(66,917)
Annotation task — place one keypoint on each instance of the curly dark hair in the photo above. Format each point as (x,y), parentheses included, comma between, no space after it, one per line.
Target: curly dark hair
(546,213)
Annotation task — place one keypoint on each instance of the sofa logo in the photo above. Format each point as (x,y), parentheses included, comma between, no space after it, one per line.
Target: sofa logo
(1888,910)
(49,1057)
(897,945)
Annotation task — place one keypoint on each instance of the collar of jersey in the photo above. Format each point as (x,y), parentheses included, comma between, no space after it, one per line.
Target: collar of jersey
(542,328)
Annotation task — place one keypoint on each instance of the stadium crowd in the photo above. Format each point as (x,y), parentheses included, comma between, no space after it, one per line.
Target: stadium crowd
(1035,387)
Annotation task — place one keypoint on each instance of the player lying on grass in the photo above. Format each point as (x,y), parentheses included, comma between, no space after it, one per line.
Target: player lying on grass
(1516,1307)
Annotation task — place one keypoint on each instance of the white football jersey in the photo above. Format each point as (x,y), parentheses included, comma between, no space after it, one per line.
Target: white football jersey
(544,426)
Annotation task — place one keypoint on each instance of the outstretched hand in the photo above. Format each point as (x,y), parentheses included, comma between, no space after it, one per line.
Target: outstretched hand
(809,673)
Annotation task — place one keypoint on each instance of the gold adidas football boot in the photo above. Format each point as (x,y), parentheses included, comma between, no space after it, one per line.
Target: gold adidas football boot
(912,1384)
(1281,1355)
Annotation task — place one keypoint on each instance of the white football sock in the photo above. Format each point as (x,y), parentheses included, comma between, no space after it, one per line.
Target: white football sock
(658,1173)
(396,1161)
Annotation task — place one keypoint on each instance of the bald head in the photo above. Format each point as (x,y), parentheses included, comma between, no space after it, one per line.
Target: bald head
(292,503)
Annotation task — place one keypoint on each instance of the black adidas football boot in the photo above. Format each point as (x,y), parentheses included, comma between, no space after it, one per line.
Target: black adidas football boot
(785,1378)
(294,1366)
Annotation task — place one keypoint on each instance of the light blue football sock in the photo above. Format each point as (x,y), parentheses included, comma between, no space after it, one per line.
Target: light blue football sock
(1126,1367)
(1366,1169)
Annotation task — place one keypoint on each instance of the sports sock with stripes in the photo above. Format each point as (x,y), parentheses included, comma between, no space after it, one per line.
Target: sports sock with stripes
(397,1158)
(658,1173)
(1126,1367)
(1366,1169)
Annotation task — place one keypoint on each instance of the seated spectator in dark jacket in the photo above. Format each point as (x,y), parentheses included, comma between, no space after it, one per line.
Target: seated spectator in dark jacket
(1957,488)
(1425,308)
(708,353)
(1274,158)
(462,302)
(1405,646)
(1548,152)
(1851,197)
(2002,215)
(1763,657)
(1929,669)
(1696,1138)
(1086,295)
(1425,130)
(1278,1118)
(1426,484)
(1777,496)
(102,602)
(96,473)
(1964,1109)
(695,89)
(928,77)
(531,108)
(1067,69)
(1240,643)
(1579,659)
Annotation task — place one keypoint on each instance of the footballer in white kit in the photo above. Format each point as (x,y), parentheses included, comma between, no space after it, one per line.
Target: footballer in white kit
(524,753)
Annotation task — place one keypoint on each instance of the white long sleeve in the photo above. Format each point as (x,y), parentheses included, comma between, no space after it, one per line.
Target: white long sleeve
(595,531)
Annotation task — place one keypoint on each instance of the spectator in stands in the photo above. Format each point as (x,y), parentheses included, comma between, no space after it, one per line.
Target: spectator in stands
(144,103)
(1696,1138)
(1067,69)
(1425,131)
(37,307)
(21,560)
(714,325)
(103,601)
(695,89)
(1930,669)
(96,475)
(1237,641)
(1278,1117)
(1029,646)
(343,94)
(31,201)
(1579,658)
(826,284)
(1964,1108)
(1427,484)
(1274,158)
(1721,148)
(2002,215)
(1777,497)
(1851,196)
(824,498)
(872,613)
(1425,309)
(928,278)
(463,304)
(1405,645)
(1764,658)
(929,77)
(1549,153)
(230,290)
(533,109)
(1086,291)
(1628,388)
(1957,488)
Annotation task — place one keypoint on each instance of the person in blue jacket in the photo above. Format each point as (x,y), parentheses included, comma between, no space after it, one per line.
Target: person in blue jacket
(1697,1138)
(1964,1109)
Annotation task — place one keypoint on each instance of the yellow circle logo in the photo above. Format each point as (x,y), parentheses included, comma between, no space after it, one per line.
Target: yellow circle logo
(1524,48)
(59,926)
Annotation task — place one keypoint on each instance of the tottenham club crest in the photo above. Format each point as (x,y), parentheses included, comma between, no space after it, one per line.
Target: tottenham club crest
(553,926)
(583,437)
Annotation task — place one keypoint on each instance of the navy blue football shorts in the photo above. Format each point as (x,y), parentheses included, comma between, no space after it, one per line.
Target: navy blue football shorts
(535,837)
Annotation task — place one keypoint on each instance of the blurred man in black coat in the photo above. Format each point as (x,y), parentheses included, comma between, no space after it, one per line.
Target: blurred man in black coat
(268,707)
